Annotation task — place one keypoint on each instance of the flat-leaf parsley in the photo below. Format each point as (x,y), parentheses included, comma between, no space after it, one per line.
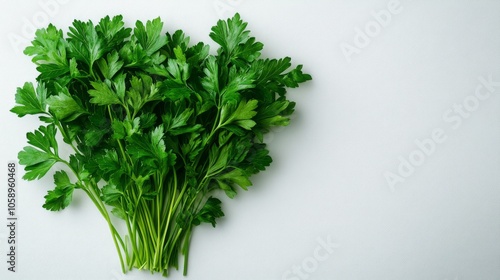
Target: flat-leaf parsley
(155,125)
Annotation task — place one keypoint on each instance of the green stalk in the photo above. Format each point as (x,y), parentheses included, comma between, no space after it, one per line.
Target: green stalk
(114,233)
(133,239)
(158,200)
(185,250)
(89,190)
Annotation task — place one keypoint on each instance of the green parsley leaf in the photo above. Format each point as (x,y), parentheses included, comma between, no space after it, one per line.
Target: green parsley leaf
(113,32)
(111,194)
(64,107)
(149,36)
(37,163)
(229,34)
(242,115)
(211,80)
(150,149)
(44,138)
(30,102)
(48,47)
(236,176)
(209,212)
(103,95)
(61,196)
(111,65)
(84,42)
(295,77)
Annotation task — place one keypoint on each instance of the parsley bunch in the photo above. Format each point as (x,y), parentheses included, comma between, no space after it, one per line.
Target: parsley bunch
(155,126)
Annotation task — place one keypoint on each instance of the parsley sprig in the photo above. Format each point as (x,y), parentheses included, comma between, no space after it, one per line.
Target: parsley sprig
(156,126)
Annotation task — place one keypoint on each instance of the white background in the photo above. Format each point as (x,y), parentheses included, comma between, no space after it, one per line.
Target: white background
(355,121)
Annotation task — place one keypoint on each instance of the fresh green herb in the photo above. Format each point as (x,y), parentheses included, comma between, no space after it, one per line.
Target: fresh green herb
(156,126)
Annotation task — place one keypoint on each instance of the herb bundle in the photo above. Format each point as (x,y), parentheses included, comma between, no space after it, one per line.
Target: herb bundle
(156,126)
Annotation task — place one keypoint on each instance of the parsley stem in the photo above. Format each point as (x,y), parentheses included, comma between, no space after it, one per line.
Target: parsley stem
(102,209)
(185,250)
(94,197)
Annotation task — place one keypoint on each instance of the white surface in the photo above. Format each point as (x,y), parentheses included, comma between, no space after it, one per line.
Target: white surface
(353,122)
